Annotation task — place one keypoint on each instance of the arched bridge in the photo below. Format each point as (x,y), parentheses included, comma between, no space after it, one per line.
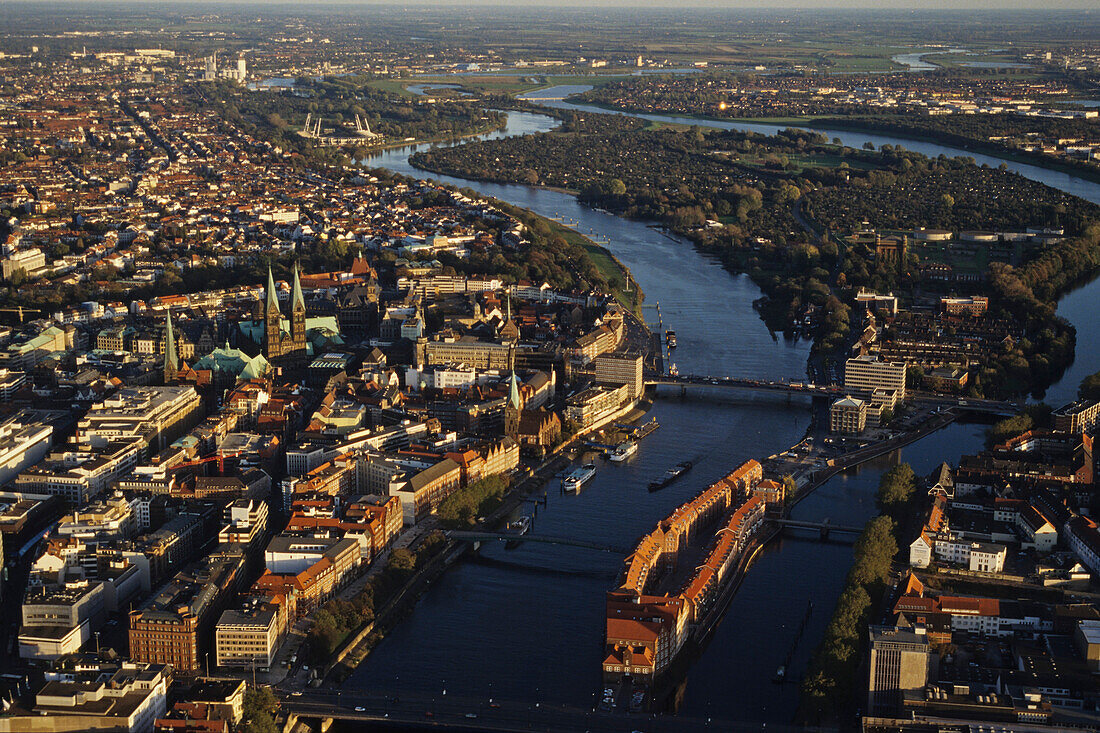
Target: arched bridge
(504,537)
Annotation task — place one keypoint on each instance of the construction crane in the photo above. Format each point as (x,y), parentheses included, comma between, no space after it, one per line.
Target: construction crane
(218,458)
(20,310)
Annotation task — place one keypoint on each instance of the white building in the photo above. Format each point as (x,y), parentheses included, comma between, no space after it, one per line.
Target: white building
(865,374)
(985,557)
(22,444)
(247,638)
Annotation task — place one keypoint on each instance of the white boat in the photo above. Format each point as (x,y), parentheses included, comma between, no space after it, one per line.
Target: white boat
(520,526)
(624,450)
(578,477)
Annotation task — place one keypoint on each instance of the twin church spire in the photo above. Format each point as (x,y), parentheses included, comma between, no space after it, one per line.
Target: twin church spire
(277,344)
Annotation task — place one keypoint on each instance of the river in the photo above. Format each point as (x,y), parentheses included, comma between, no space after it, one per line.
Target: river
(527,624)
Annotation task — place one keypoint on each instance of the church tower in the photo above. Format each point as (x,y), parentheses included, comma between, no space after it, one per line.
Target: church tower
(297,315)
(272,320)
(171,358)
(514,407)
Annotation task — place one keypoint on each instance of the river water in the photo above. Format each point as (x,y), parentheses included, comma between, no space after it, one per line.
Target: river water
(527,624)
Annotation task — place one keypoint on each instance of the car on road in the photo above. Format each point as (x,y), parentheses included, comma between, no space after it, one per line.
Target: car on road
(296,693)
(471,715)
(360,709)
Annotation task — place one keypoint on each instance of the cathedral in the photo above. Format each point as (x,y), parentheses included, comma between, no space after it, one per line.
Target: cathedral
(288,349)
(289,343)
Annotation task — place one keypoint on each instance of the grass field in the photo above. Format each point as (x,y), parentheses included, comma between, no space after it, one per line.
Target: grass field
(605,263)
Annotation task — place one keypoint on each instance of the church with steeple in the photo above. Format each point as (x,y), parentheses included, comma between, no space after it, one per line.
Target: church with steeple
(289,342)
(171,357)
(279,345)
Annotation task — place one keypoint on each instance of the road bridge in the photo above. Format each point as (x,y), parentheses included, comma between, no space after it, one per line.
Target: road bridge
(445,710)
(696,380)
(824,527)
(505,537)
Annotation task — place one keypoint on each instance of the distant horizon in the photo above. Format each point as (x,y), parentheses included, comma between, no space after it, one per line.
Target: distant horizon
(916,6)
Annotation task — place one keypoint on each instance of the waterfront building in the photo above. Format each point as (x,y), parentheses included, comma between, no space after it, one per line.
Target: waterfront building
(1077,417)
(290,555)
(865,374)
(644,632)
(422,494)
(899,664)
(848,416)
(595,405)
(617,369)
(600,340)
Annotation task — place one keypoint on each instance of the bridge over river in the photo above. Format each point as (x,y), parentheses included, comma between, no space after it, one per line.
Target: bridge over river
(683,381)
(352,709)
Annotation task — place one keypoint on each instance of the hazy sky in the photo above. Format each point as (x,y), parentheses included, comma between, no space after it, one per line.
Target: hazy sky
(766,5)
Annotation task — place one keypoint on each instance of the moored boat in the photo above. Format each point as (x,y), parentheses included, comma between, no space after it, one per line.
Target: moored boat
(623,451)
(578,477)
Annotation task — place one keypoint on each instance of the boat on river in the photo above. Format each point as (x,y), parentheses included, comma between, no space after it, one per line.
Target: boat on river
(623,451)
(575,480)
(671,475)
(519,526)
(670,339)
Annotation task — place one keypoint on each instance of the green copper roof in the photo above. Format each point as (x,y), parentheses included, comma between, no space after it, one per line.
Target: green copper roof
(170,356)
(513,392)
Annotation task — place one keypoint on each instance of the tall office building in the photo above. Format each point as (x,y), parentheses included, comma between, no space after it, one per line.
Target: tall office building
(899,664)
(621,369)
(865,374)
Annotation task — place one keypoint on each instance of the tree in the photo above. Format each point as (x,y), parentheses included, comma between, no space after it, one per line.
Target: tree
(896,489)
(617,187)
(1090,387)
(258,711)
